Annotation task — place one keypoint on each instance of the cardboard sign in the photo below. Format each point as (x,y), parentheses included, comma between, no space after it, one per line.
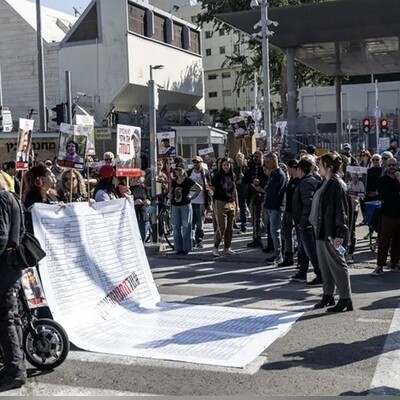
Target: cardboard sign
(166,144)
(72,146)
(24,144)
(128,151)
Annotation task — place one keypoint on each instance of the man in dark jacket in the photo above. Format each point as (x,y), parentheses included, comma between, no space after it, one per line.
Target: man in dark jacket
(13,374)
(302,201)
(275,203)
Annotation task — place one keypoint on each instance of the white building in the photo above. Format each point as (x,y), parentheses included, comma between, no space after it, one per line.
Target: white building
(108,51)
(219,81)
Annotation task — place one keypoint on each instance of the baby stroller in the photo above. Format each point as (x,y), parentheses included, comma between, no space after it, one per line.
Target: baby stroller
(372,210)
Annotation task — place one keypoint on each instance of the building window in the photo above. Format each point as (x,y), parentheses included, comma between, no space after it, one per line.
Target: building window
(226,75)
(227,93)
(159,28)
(236,48)
(87,29)
(213,94)
(221,32)
(195,41)
(222,50)
(213,112)
(208,52)
(137,20)
(211,77)
(178,37)
(209,34)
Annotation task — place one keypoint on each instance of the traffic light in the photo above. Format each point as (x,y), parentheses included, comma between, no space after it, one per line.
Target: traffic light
(384,125)
(366,125)
(59,110)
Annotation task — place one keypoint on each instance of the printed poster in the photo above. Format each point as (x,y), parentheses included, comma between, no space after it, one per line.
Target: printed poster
(128,151)
(33,288)
(87,121)
(24,144)
(383,144)
(238,125)
(356,180)
(208,156)
(279,136)
(99,286)
(166,144)
(72,146)
(102,133)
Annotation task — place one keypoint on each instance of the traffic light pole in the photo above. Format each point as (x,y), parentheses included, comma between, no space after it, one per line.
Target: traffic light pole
(377,116)
(42,91)
(69,96)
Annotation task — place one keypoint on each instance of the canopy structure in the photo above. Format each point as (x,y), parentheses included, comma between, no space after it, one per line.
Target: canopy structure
(346,37)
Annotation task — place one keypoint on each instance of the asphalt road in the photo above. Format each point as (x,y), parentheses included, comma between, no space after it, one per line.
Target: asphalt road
(350,353)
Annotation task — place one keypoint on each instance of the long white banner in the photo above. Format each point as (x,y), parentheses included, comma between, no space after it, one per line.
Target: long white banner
(99,286)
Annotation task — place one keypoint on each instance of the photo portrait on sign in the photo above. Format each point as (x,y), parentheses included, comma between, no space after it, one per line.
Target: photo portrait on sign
(128,151)
(239,128)
(166,144)
(356,180)
(24,144)
(87,121)
(72,146)
(208,156)
(32,288)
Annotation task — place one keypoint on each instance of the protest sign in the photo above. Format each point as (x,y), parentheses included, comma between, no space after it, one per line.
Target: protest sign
(102,133)
(99,286)
(24,144)
(166,144)
(208,156)
(87,121)
(383,144)
(32,288)
(72,146)
(278,137)
(356,180)
(128,151)
(239,127)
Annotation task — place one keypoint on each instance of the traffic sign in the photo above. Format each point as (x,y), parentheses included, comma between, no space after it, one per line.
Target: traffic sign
(377,112)
(256,114)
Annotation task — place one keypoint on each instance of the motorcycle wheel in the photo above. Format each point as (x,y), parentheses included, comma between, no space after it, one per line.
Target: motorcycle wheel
(49,348)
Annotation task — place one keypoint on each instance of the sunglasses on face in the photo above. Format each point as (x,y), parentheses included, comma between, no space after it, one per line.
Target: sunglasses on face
(108,159)
(385,158)
(392,165)
(375,159)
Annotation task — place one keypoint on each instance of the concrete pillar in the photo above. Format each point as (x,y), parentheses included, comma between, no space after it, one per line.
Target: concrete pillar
(292,106)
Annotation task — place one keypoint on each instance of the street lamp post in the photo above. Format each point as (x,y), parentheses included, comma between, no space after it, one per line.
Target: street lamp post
(265,33)
(153,105)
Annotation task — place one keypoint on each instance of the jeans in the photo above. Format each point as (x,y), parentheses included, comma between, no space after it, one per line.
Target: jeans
(256,211)
(243,207)
(198,222)
(182,223)
(307,240)
(275,219)
(287,232)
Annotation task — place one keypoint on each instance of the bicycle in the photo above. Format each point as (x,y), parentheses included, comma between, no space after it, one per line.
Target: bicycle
(165,229)
(45,342)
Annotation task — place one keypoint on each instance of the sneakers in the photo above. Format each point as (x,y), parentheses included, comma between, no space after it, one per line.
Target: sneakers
(242,230)
(378,271)
(298,278)
(215,252)
(11,382)
(254,244)
(394,267)
(315,282)
(267,250)
(350,259)
(199,245)
(274,260)
(229,252)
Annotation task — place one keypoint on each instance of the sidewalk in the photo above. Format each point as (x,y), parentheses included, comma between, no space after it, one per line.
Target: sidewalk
(363,256)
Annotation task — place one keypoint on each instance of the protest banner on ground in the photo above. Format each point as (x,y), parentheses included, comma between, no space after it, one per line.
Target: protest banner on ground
(99,286)
(128,151)
(356,180)
(72,146)
(87,121)
(166,144)
(24,144)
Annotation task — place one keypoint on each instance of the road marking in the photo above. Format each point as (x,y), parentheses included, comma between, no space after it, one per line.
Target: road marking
(374,320)
(386,378)
(43,389)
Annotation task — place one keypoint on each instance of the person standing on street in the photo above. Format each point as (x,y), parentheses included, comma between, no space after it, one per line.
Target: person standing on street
(275,204)
(200,203)
(240,170)
(329,218)
(389,232)
(13,374)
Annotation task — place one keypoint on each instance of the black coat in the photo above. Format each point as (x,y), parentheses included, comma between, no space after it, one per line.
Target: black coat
(333,216)
(302,200)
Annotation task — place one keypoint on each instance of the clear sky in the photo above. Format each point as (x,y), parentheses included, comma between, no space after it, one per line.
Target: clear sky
(65,5)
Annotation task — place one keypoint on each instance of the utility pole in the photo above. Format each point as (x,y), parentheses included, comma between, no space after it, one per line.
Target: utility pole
(42,91)
(69,96)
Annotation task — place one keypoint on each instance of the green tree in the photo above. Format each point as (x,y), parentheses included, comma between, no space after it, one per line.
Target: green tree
(246,66)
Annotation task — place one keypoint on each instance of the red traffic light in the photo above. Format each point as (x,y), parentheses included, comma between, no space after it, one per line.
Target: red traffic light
(366,125)
(384,125)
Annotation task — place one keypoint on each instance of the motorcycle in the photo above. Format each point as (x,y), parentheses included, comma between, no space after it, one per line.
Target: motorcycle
(45,342)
